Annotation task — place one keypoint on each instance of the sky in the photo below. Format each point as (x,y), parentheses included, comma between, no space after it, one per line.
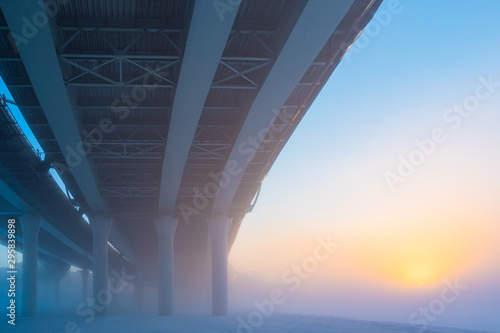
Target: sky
(383,203)
(16,113)
(396,161)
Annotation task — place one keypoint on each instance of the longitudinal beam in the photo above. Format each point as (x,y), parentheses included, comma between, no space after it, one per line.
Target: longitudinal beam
(315,26)
(12,198)
(38,53)
(23,208)
(208,33)
(47,256)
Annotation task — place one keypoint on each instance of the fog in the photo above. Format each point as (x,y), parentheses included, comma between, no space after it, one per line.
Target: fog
(319,278)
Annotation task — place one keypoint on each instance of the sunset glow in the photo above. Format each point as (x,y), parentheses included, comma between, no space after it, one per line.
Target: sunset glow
(440,223)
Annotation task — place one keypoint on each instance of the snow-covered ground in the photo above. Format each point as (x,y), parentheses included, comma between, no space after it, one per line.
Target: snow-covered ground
(207,324)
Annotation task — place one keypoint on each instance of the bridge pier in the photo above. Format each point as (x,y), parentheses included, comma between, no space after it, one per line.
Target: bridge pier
(218,228)
(85,278)
(31,227)
(101,226)
(165,230)
(50,275)
(58,274)
(139,296)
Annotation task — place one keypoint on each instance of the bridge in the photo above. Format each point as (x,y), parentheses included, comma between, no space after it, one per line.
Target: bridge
(162,118)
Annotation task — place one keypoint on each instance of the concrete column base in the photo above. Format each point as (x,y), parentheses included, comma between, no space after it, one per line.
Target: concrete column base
(31,227)
(85,278)
(165,230)
(218,228)
(101,226)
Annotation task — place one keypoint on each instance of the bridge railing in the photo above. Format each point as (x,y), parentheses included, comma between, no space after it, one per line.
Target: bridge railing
(4,105)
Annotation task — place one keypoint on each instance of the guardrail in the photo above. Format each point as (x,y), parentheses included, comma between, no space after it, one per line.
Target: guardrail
(4,105)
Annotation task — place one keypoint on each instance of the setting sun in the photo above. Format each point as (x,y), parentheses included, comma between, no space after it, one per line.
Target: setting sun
(418,258)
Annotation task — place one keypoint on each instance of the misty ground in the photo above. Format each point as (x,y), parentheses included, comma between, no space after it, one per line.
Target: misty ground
(208,324)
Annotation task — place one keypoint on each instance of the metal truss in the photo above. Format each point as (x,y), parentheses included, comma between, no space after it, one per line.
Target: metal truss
(254,34)
(221,129)
(138,150)
(151,150)
(241,73)
(242,67)
(133,216)
(110,81)
(154,135)
(107,103)
(119,56)
(129,179)
(209,150)
(130,145)
(129,191)
(92,64)
(190,192)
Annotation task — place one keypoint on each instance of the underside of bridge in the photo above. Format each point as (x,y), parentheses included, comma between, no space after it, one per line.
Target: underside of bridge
(162,118)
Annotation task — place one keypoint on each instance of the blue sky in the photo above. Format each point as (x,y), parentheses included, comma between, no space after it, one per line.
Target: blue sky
(391,90)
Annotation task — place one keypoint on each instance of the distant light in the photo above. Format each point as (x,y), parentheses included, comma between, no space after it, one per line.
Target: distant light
(114,248)
(59,181)
(86,218)
(263,178)
(296,116)
(74,269)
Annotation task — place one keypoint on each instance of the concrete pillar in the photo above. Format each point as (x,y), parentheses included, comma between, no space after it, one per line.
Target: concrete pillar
(58,273)
(56,288)
(139,296)
(100,232)
(85,279)
(165,230)
(218,228)
(31,227)
(139,293)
